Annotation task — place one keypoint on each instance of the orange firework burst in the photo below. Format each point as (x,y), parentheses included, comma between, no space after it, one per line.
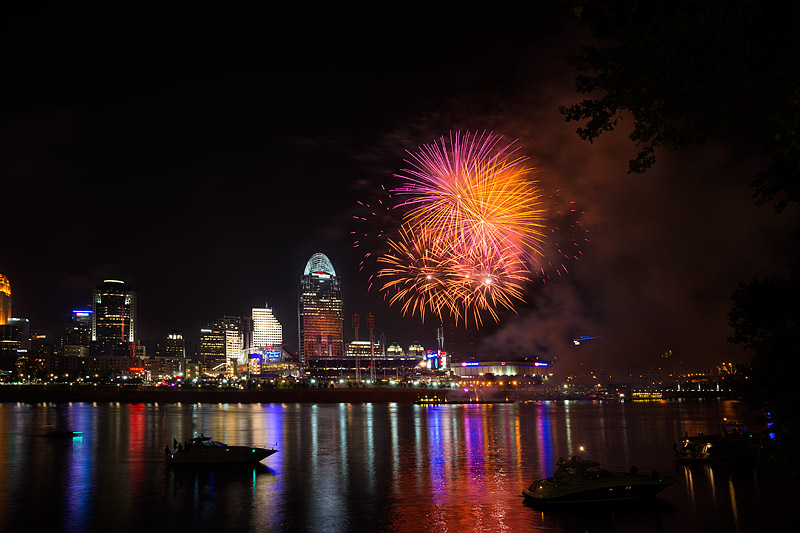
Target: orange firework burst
(472,230)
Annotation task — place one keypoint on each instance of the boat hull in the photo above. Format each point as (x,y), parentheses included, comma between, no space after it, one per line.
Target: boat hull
(617,493)
(63,434)
(717,448)
(230,454)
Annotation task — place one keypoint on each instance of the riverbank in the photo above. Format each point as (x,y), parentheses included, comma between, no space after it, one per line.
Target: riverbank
(144,394)
(129,394)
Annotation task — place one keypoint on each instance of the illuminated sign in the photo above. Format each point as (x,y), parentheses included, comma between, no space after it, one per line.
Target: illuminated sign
(137,369)
(472,363)
(78,312)
(539,363)
(272,354)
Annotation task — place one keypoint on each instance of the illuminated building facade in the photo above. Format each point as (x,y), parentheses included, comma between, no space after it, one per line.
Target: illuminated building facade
(356,364)
(175,346)
(221,346)
(416,349)
(11,337)
(24,326)
(395,349)
(232,326)
(502,368)
(267,331)
(79,330)
(114,319)
(320,311)
(5,300)
(212,351)
(362,349)
(271,363)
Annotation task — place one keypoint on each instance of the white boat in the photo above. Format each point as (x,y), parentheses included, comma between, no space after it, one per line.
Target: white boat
(579,481)
(206,450)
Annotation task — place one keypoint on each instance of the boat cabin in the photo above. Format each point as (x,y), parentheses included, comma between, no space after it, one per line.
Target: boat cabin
(576,471)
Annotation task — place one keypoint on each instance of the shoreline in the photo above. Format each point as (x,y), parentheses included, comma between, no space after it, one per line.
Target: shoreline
(134,394)
(127,394)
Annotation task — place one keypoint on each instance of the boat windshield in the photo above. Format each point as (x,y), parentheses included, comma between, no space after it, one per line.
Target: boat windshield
(596,472)
(564,473)
(212,444)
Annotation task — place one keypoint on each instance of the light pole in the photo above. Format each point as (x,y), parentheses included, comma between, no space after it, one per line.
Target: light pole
(371,324)
(356,324)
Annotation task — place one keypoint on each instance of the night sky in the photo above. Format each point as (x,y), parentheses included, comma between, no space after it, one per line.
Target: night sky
(205,173)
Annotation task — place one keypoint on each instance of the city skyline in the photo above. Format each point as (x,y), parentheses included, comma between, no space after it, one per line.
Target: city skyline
(105,322)
(204,171)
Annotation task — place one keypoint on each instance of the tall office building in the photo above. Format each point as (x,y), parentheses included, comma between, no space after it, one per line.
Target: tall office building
(24,326)
(320,312)
(114,318)
(79,330)
(5,300)
(212,350)
(175,346)
(11,342)
(267,331)
(247,332)
(221,346)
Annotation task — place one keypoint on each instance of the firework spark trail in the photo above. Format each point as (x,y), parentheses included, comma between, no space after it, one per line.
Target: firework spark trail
(426,275)
(418,266)
(471,232)
(474,192)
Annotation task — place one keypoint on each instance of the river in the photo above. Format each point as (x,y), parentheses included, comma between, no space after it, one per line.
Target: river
(367,467)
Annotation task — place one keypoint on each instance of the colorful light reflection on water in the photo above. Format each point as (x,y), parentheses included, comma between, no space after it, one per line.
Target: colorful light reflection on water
(346,467)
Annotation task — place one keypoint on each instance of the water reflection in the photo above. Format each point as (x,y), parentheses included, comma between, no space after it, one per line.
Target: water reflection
(228,496)
(345,467)
(721,489)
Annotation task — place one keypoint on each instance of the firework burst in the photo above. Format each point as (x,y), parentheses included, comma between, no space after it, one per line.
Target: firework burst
(473,227)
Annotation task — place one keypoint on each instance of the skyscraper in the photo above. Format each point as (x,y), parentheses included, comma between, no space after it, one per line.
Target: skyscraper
(221,346)
(267,331)
(5,300)
(320,311)
(212,350)
(175,346)
(114,318)
(79,330)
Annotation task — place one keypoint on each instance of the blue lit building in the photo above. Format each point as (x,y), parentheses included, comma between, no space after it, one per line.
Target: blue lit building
(501,368)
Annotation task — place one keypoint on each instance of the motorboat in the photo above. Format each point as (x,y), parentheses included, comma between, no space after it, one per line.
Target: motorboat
(735,442)
(204,450)
(63,434)
(578,481)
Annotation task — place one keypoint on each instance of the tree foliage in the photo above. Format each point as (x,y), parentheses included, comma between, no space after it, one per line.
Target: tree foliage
(687,71)
(766,320)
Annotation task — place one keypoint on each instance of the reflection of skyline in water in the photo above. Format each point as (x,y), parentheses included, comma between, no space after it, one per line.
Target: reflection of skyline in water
(353,466)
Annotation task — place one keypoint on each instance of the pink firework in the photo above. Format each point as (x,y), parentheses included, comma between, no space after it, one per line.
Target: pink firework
(472,229)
